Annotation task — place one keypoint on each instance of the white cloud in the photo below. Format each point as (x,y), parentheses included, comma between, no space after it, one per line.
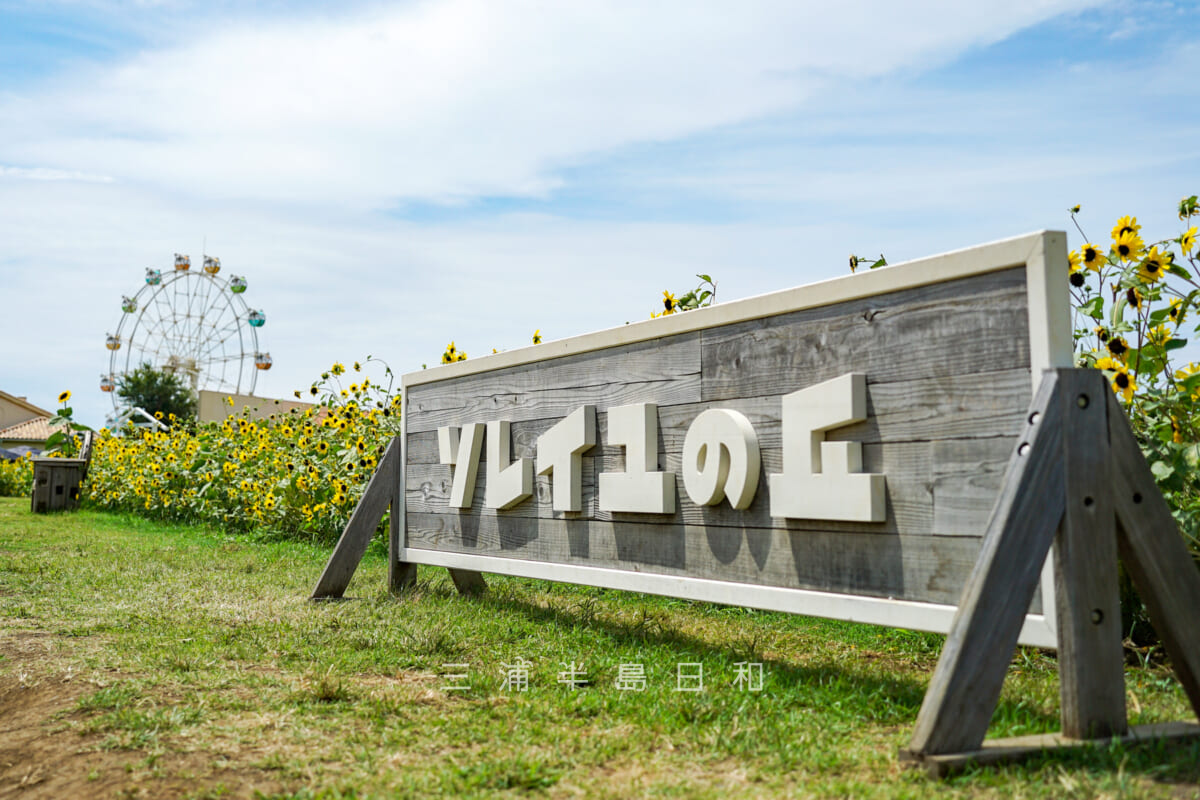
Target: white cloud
(463,98)
(45,174)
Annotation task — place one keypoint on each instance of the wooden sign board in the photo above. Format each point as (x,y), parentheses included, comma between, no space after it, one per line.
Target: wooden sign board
(832,450)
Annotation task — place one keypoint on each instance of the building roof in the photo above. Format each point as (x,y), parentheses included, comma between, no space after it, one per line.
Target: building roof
(31,430)
(23,403)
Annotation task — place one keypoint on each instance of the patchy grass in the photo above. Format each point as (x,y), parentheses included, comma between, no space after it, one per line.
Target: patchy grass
(198,669)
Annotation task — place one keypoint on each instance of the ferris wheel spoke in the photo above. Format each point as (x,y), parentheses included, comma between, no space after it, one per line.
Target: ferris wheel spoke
(216,348)
(220,336)
(209,298)
(214,336)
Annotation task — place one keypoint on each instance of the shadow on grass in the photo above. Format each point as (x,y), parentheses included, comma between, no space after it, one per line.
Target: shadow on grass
(869,693)
(1081,769)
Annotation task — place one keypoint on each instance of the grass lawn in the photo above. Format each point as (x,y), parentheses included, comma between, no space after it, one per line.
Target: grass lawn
(147,660)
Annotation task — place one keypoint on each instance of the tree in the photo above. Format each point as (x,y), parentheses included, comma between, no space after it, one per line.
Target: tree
(158,392)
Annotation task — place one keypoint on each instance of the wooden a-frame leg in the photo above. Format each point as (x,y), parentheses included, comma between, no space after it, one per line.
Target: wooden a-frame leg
(966,683)
(467,581)
(1091,666)
(357,535)
(1154,553)
(401,575)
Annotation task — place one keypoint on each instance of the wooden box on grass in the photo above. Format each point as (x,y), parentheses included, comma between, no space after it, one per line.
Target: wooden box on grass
(56,483)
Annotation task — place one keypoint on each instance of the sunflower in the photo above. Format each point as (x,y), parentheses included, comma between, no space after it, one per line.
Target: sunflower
(1152,266)
(1076,278)
(1101,333)
(322,447)
(357,367)
(1134,297)
(65,396)
(1122,383)
(669,303)
(537,336)
(1092,257)
(1073,261)
(1188,240)
(1177,311)
(1158,335)
(1184,374)
(1128,245)
(1126,225)
(1117,346)
(337,368)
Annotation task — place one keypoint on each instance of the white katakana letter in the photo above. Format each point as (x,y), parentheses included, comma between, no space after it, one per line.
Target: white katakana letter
(824,480)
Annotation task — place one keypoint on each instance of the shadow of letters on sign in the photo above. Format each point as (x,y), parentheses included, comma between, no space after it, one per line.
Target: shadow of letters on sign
(721,461)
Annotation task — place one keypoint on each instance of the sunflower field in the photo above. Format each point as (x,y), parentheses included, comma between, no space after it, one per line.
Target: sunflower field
(16,477)
(296,475)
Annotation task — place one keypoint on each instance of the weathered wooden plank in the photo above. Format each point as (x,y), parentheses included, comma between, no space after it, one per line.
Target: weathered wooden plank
(966,477)
(969,325)
(956,481)
(968,406)
(1090,660)
(401,575)
(358,532)
(666,372)
(966,683)
(907,467)
(1154,553)
(919,568)
(1018,748)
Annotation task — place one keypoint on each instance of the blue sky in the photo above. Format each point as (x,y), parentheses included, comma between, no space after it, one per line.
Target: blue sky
(390,177)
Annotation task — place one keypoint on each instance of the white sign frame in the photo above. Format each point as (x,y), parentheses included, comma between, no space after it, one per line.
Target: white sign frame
(1044,256)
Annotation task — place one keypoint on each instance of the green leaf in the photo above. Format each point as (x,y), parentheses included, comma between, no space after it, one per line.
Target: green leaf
(1191,383)
(1191,454)
(705,278)
(1162,470)
(882,262)
(1094,308)
(1175,344)
(1117,312)
(1179,271)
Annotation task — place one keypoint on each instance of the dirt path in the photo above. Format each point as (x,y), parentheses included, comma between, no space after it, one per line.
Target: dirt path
(44,752)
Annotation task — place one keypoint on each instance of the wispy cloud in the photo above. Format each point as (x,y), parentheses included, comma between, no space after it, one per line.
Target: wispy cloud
(46,174)
(467,98)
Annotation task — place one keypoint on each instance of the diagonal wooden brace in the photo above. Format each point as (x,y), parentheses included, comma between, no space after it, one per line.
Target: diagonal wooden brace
(1154,553)
(358,532)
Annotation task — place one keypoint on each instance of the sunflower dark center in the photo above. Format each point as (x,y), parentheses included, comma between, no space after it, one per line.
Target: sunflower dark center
(1122,380)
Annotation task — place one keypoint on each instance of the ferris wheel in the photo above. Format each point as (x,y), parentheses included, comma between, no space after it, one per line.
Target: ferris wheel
(192,323)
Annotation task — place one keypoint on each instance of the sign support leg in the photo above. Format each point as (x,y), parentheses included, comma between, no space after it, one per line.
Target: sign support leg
(358,532)
(1078,467)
